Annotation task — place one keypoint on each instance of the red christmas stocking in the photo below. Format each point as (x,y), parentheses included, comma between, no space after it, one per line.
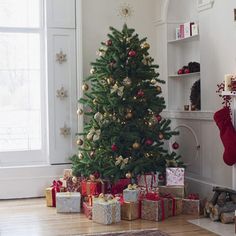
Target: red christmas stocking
(227,135)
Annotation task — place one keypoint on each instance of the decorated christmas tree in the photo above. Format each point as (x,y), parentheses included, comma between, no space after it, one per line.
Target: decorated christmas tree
(124,134)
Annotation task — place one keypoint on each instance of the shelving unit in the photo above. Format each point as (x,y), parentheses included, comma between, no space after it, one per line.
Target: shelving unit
(175,76)
(179,53)
(191,38)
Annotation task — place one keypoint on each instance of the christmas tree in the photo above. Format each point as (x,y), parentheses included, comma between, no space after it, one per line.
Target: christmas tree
(125,133)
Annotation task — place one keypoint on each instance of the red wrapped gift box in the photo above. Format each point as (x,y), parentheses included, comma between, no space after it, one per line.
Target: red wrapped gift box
(119,186)
(93,187)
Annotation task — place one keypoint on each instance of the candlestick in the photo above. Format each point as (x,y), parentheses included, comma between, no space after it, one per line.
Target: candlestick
(228,79)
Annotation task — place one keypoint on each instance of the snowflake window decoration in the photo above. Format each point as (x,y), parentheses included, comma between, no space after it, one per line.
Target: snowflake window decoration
(125,11)
(65,131)
(62,93)
(61,57)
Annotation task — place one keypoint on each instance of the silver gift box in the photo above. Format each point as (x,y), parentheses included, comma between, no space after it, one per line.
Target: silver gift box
(130,195)
(106,212)
(68,202)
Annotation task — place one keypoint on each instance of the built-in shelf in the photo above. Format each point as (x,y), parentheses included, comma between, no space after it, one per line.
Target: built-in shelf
(191,38)
(229,93)
(188,115)
(184,75)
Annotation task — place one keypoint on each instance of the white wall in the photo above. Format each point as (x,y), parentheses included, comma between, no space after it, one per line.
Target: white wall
(218,47)
(99,15)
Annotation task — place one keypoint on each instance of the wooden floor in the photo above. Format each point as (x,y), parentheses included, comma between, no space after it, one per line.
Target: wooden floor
(31,217)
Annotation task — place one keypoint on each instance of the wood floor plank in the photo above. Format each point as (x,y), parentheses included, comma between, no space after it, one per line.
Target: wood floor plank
(32,217)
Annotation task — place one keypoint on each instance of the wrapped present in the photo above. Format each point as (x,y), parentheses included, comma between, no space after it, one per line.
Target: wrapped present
(106,211)
(119,186)
(64,184)
(131,193)
(89,187)
(175,191)
(87,210)
(174,176)
(155,208)
(148,180)
(68,202)
(67,173)
(130,210)
(175,205)
(50,193)
(73,184)
(191,205)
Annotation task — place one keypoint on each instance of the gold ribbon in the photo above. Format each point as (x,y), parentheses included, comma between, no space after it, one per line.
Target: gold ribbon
(132,186)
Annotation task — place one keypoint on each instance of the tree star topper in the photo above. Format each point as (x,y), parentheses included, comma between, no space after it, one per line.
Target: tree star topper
(125,11)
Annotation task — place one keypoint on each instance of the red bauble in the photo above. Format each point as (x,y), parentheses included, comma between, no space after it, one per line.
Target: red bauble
(149,142)
(96,175)
(114,148)
(108,42)
(180,72)
(186,71)
(158,118)
(175,145)
(132,53)
(140,93)
(161,177)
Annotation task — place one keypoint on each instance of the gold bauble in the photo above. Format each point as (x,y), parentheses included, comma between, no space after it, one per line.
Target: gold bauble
(81,156)
(161,136)
(79,142)
(92,178)
(80,112)
(135,98)
(85,87)
(136,145)
(92,71)
(74,179)
(158,88)
(111,81)
(127,81)
(145,45)
(92,153)
(153,81)
(95,101)
(129,115)
(128,175)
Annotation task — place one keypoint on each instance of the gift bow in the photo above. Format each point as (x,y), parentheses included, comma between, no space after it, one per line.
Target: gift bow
(153,197)
(57,185)
(132,186)
(118,90)
(94,134)
(105,198)
(122,161)
(193,196)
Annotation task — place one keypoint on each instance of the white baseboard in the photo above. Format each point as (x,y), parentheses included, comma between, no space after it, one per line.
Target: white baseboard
(27,182)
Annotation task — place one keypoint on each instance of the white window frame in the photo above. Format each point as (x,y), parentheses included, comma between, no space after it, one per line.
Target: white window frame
(32,157)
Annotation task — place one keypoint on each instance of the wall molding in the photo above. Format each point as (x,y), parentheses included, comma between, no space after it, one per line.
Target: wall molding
(205,5)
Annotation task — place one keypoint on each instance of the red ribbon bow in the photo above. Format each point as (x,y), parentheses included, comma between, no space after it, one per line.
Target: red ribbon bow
(57,185)
(193,196)
(153,197)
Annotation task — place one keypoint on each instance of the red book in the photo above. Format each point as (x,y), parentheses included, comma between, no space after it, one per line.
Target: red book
(181,29)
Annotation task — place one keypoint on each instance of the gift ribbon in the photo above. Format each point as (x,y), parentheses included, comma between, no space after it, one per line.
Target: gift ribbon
(132,186)
(56,187)
(193,196)
(156,197)
(169,196)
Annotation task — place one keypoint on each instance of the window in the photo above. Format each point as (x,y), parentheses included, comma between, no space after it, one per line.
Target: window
(21,82)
